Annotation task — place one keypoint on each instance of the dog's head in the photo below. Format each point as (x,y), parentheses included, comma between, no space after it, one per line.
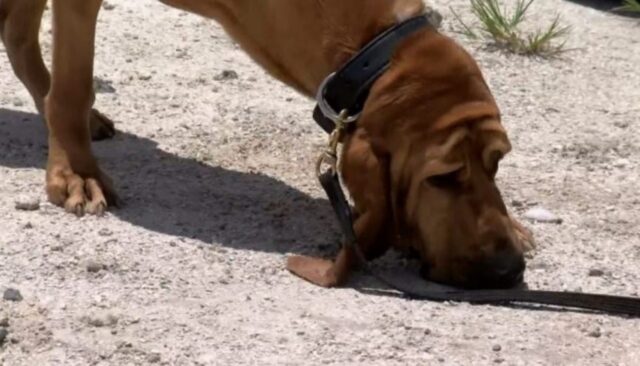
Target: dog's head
(433,120)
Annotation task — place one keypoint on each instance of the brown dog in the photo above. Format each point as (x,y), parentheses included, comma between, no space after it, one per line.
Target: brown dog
(420,165)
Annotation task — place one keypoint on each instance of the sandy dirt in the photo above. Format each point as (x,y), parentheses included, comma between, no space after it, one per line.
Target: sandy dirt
(216,175)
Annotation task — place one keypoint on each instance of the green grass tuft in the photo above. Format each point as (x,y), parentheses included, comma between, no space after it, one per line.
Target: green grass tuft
(631,6)
(501,27)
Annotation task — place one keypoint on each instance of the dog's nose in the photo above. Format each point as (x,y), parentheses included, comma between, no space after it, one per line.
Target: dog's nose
(504,269)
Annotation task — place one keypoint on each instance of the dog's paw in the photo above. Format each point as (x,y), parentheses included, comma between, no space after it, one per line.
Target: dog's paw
(79,195)
(102,127)
(315,270)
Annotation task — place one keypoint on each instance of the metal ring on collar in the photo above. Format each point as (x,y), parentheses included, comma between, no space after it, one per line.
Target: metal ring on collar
(326,109)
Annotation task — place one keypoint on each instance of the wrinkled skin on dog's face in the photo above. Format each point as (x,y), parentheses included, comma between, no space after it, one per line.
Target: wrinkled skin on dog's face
(434,123)
(455,212)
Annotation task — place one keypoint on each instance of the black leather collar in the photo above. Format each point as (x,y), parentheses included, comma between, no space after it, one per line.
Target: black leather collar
(349,87)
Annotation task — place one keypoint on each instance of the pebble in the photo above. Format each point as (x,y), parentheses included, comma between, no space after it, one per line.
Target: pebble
(11,294)
(596,333)
(594,272)
(4,322)
(93,266)
(27,203)
(108,6)
(227,75)
(496,348)
(154,358)
(621,163)
(540,214)
(101,321)
(103,86)
(105,232)
(3,335)
(95,322)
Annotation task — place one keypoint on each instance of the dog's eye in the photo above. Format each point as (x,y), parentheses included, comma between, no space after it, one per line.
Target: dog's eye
(444,181)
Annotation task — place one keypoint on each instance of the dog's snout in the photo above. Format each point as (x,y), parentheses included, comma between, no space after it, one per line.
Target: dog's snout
(503,269)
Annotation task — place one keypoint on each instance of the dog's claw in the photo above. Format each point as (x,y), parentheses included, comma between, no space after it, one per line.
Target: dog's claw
(97,209)
(74,208)
(315,270)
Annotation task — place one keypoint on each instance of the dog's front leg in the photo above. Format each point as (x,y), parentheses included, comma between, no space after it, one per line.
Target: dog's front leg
(365,176)
(73,177)
(19,30)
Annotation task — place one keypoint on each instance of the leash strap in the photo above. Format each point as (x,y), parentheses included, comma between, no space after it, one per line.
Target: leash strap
(619,305)
(331,184)
(348,88)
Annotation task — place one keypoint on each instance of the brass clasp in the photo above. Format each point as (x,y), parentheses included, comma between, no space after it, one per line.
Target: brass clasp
(330,155)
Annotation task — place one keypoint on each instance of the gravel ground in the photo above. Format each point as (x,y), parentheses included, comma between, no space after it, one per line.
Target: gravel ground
(216,174)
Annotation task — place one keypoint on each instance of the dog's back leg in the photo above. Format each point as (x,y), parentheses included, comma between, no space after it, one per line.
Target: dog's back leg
(19,27)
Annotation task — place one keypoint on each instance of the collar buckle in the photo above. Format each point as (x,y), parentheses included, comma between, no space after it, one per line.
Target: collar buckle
(327,110)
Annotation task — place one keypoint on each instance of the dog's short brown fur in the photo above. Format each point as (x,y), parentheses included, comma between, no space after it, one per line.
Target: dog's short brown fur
(420,165)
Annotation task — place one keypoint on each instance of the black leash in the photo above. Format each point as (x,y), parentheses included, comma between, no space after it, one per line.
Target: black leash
(603,303)
(346,91)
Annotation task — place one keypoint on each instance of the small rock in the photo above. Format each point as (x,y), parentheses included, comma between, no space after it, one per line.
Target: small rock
(108,6)
(621,163)
(226,75)
(27,203)
(103,86)
(596,333)
(100,320)
(11,294)
(124,344)
(540,214)
(3,335)
(93,266)
(28,225)
(496,348)
(594,272)
(153,358)
(499,360)
(4,322)
(95,322)
(105,232)
(112,319)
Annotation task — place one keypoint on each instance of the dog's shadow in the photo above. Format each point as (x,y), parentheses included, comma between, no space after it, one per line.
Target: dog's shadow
(178,196)
(182,197)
